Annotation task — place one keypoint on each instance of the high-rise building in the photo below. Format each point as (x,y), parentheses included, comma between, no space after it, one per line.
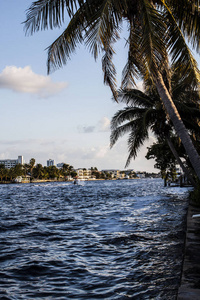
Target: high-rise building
(50,162)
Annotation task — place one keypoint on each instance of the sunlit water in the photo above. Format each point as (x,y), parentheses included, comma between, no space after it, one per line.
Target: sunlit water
(118,239)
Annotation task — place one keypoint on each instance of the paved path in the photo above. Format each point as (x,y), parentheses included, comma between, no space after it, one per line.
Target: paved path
(190,281)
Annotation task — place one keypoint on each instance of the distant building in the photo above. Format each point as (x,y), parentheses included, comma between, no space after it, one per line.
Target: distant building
(50,162)
(83,173)
(60,165)
(9,163)
(114,173)
(140,174)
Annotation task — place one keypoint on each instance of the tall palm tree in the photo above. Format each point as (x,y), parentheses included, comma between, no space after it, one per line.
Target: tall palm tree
(144,112)
(156,29)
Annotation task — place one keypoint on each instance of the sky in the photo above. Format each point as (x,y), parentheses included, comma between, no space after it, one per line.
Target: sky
(63,116)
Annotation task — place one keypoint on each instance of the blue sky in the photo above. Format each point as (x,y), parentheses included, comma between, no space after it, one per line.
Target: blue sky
(64,116)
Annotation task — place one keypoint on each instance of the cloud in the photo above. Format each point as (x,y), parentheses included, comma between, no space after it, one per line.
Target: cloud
(86,129)
(104,124)
(24,80)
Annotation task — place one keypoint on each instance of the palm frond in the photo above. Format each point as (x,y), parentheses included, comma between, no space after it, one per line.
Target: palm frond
(134,97)
(179,50)
(152,47)
(109,71)
(187,14)
(120,131)
(133,65)
(59,52)
(104,23)
(44,14)
(128,114)
(135,141)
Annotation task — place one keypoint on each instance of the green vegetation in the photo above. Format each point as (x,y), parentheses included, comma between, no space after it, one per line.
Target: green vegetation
(36,172)
(144,113)
(165,160)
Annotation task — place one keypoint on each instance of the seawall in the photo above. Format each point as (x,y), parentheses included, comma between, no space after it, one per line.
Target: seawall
(190,279)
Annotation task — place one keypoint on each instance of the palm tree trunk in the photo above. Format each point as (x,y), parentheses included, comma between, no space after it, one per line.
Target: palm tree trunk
(185,170)
(178,123)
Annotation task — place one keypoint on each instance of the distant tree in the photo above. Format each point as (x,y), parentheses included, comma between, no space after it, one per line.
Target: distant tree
(32,164)
(26,168)
(11,173)
(45,173)
(2,171)
(53,172)
(38,171)
(73,174)
(165,160)
(6,173)
(18,170)
(66,170)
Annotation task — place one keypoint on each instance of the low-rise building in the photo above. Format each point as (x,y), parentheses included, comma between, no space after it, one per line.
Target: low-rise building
(84,174)
(114,173)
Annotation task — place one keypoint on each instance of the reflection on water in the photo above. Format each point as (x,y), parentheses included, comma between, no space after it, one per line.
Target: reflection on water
(100,240)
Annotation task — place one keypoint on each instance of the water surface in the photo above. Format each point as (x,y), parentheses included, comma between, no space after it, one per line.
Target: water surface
(111,240)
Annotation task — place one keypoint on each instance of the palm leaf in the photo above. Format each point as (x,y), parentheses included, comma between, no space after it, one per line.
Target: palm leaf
(179,50)
(44,14)
(134,97)
(187,14)
(61,49)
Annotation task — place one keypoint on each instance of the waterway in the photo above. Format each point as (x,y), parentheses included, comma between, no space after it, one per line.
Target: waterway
(119,239)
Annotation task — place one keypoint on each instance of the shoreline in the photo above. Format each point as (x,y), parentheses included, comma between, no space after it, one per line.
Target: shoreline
(55,180)
(189,288)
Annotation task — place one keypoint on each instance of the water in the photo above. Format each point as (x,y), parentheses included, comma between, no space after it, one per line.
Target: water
(99,240)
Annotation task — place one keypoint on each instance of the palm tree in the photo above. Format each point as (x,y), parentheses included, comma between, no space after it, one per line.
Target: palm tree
(2,171)
(156,29)
(144,112)
(26,167)
(38,171)
(32,164)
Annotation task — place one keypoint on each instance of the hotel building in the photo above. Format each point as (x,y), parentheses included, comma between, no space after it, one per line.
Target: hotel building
(9,163)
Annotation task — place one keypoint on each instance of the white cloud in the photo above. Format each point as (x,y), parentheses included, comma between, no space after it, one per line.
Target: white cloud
(24,80)
(104,124)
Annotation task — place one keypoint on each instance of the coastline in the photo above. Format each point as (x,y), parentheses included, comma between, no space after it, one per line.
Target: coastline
(190,279)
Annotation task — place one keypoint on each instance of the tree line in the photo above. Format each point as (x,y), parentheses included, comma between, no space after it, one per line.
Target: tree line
(36,171)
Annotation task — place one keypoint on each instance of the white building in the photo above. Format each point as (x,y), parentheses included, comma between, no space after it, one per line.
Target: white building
(50,162)
(83,174)
(9,163)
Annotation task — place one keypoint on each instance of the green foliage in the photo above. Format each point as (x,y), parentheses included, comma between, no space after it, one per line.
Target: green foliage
(165,160)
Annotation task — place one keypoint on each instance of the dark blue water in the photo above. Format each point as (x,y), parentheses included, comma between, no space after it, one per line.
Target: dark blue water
(100,240)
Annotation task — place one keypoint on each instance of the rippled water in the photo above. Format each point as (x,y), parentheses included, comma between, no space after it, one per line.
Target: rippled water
(99,240)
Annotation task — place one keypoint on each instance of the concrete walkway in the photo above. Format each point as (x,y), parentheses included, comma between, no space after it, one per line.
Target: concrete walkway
(190,281)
